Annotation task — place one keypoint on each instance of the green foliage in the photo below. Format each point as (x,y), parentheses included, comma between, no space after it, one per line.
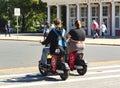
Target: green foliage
(33,13)
(2,24)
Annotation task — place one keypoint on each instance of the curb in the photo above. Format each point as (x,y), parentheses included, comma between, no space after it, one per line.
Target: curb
(39,40)
(20,40)
(89,41)
(103,44)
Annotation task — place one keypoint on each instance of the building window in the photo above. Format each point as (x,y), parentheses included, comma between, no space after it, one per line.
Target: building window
(105,11)
(117,17)
(94,13)
(83,11)
(83,16)
(117,10)
(72,12)
(73,17)
(117,22)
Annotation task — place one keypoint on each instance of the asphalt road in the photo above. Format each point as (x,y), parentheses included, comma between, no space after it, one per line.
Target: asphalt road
(15,54)
(102,53)
(96,77)
(103,72)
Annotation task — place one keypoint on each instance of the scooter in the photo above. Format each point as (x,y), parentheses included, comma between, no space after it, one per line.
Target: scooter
(76,62)
(54,65)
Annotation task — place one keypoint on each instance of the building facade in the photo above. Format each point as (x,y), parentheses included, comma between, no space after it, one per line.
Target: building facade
(107,11)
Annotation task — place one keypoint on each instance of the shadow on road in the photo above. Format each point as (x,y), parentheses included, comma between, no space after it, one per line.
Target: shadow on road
(31,78)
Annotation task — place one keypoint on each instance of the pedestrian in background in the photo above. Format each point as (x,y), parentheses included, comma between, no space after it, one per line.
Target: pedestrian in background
(7,29)
(103,29)
(52,26)
(95,29)
(46,30)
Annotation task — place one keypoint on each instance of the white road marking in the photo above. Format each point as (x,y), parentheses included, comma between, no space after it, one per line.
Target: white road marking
(89,68)
(102,72)
(68,80)
(104,67)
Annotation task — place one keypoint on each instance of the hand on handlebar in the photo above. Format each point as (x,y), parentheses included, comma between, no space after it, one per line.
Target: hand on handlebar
(46,45)
(40,41)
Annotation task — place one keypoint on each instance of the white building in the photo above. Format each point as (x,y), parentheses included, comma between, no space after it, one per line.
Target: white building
(107,11)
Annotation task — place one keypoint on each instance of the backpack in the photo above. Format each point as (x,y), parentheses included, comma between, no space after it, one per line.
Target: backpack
(62,45)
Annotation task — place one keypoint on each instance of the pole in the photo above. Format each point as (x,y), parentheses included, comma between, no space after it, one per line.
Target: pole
(17,27)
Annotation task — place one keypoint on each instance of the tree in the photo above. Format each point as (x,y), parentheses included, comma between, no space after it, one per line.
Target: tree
(31,11)
(3,14)
(29,8)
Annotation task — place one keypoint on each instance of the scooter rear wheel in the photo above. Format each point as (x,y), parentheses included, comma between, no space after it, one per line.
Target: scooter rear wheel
(82,63)
(83,70)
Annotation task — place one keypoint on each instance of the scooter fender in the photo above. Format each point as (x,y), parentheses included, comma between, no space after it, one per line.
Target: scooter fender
(64,67)
(80,63)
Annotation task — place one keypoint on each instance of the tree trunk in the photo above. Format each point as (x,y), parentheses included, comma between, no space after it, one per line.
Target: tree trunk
(23,29)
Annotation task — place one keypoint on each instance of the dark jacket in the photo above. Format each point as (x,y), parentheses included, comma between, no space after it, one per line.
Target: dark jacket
(52,40)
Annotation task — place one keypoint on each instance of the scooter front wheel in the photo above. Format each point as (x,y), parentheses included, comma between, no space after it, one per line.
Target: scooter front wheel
(64,75)
(43,71)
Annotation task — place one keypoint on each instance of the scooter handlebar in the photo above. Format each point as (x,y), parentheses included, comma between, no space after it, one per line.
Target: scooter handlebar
(46,45)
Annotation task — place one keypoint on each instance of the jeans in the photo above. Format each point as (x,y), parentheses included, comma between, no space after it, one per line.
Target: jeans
(7,32)
(95,33)
(45,52)
(103,34)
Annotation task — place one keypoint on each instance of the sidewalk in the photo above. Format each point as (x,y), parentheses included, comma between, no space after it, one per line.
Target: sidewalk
(36,37)
(22,37)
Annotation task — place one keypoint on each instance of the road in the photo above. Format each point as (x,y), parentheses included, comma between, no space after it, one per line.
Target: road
(16,54)
(17,57)
(102,53)
(96,77)
(19,54)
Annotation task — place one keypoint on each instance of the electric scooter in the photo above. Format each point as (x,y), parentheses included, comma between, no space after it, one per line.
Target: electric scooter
(76,62)
(55,65)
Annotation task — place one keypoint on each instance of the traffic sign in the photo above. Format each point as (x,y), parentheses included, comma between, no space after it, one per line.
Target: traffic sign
(17,11)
